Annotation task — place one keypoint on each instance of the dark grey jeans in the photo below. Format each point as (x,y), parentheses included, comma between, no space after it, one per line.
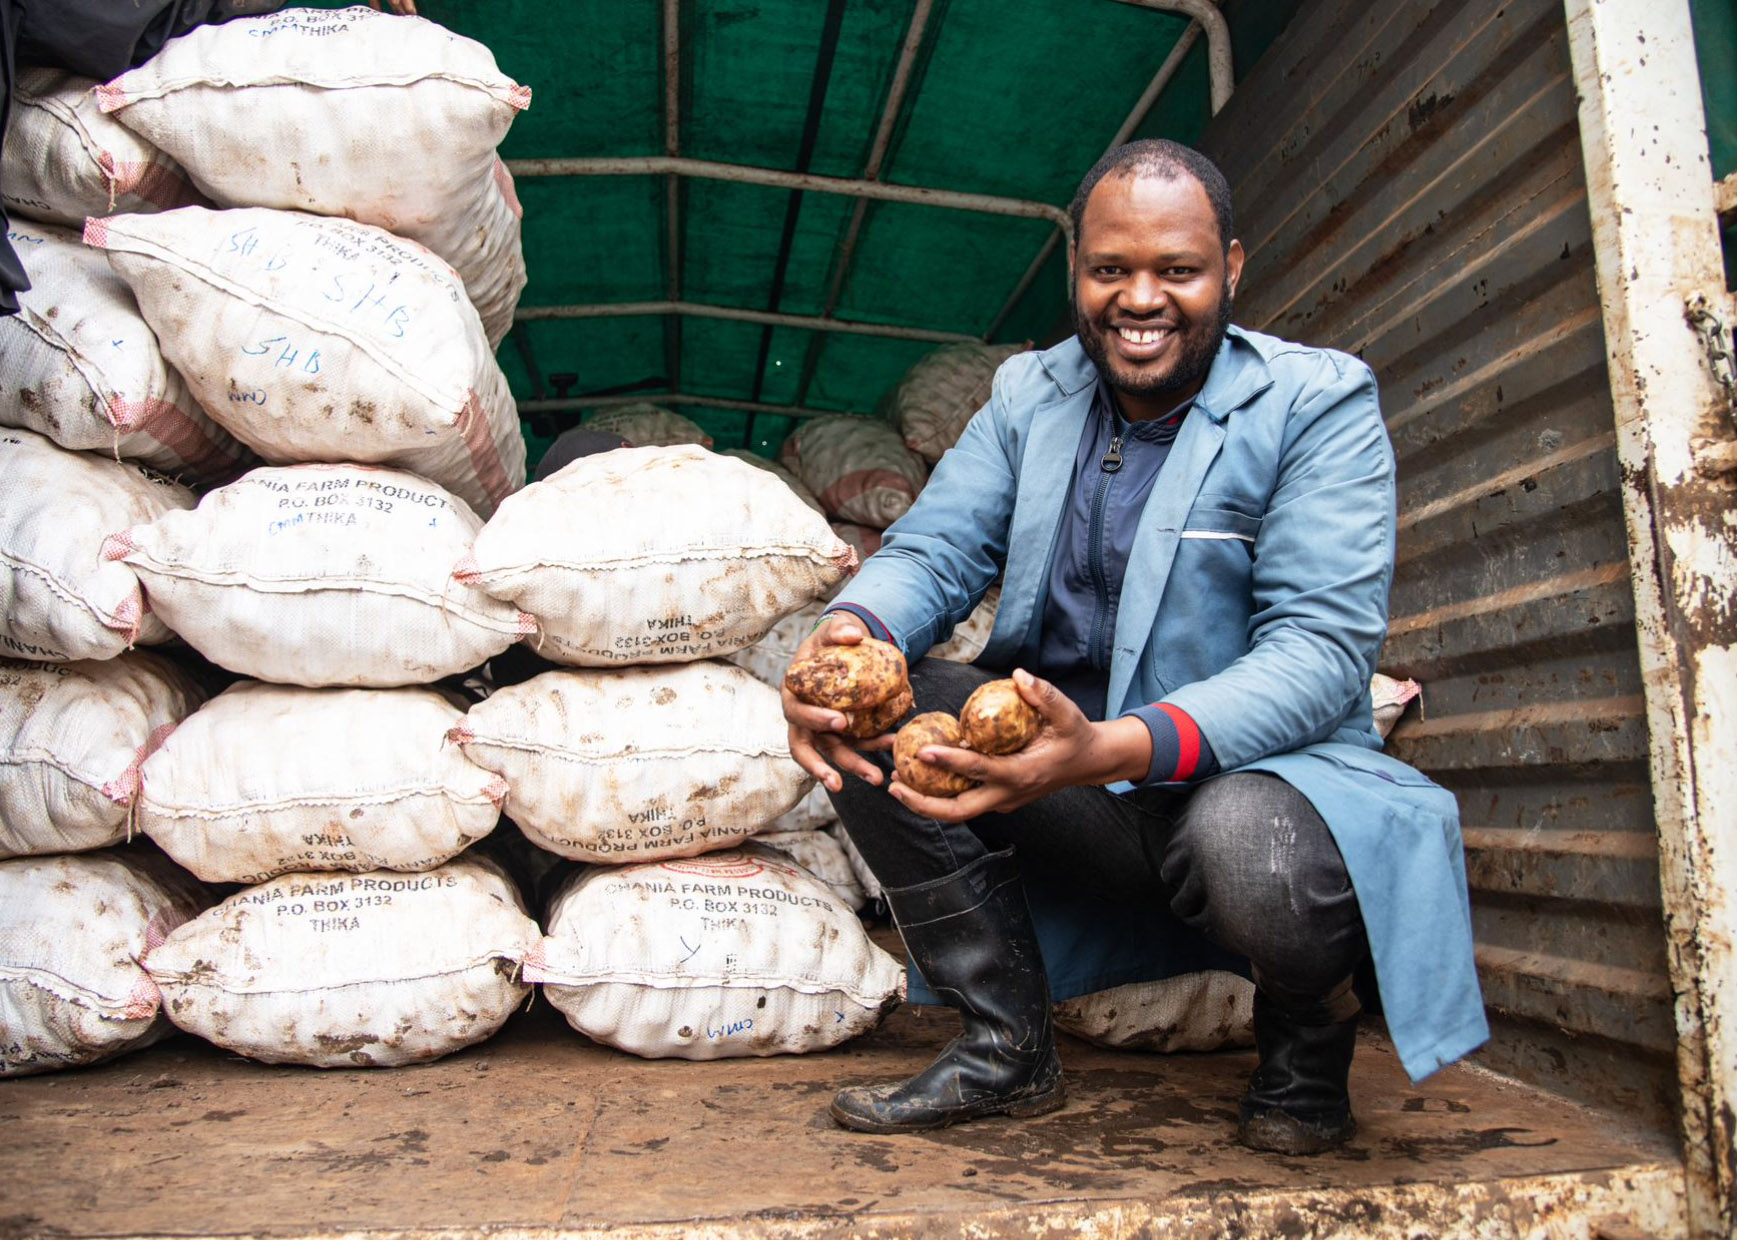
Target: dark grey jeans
(1242,858)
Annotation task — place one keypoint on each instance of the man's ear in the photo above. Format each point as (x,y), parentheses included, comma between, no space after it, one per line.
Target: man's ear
(1070,262)
(1233,266)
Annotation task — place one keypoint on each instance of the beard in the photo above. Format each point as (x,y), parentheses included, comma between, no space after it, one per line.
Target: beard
(1199,342)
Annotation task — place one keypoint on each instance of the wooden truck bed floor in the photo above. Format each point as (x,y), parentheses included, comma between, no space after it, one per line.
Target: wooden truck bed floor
(540,1132)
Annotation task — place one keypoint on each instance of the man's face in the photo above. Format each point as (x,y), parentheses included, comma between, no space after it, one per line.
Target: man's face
(1152,288)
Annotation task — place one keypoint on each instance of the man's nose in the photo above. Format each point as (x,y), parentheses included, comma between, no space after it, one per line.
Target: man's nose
(1143,293)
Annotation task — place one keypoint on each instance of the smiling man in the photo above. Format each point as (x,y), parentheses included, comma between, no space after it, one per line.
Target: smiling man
(1195,526)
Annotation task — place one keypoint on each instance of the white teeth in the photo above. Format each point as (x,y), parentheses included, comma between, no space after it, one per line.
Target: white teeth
(1149,336)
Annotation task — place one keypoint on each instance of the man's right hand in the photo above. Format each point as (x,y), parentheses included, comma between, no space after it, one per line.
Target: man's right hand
(815,742)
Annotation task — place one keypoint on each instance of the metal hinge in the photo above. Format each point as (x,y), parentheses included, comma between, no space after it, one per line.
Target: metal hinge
(1716,457)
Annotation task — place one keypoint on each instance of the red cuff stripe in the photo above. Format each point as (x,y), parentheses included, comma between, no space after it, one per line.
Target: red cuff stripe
(1188,740)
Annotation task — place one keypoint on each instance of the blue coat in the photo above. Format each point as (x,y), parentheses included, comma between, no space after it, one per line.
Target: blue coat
(1255,599)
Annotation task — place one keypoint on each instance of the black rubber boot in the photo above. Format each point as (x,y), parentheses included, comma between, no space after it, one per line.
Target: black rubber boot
(971,935)
(1299,1099)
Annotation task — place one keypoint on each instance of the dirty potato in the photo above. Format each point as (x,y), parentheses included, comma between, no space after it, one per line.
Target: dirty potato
(848,678)
(879,720)
(934,728)
(996,720)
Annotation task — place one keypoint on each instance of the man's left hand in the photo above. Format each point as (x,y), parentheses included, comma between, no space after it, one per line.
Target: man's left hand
(1068,750)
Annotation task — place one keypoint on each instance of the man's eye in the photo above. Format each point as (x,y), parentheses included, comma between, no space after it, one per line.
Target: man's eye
(1108,273)
(1181,273)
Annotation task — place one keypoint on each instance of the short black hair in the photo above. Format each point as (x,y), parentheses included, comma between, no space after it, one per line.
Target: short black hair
(1167,160)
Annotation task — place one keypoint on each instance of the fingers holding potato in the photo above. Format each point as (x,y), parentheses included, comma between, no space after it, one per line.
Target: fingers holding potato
(877,720)
(848,678)
(933,728)
(997,720)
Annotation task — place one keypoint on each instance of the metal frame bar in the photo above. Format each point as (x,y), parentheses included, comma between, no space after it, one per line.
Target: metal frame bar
(608,309)
(883,141)
(777,178)
(672,118)
(1220,68)
(1655,236)
(569,403)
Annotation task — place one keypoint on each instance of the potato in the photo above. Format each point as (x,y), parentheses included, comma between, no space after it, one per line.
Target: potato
(996,720)
(848,678)
(933,728)
(879,720)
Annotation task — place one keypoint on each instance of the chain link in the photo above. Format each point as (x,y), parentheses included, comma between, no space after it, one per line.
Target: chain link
(1715,339)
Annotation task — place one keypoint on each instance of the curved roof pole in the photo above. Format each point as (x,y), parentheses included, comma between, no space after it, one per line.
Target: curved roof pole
(672,116)
(567,404)
(883,141)
(1218,58)
(1136,116)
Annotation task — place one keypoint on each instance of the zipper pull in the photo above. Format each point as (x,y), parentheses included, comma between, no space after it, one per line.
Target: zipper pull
(1113,458)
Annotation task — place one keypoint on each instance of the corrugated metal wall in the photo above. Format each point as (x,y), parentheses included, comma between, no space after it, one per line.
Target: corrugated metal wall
(1409,186)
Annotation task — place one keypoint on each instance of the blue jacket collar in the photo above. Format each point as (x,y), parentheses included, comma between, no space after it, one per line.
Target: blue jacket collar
(1239,373)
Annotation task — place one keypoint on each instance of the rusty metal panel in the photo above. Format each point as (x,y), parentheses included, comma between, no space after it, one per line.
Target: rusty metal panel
(1417,198)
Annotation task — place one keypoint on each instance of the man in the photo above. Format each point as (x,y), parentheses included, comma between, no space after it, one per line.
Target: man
(1196,527)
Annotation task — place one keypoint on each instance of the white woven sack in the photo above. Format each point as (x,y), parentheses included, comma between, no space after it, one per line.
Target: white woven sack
(767,659)
(388,120)
(778,471)
(1206,1011)
(352,970)
(634,763)
(649,426)
(818,853)
(1389,698)
(864,876)
(60,598)
(266,779)
(971,634)
(813,812)
(740,953)
(315,339)
(79,364)
(939,395)
(73,931)
(323,575)
(73,737)
(655,555)
(858,467)
(64,159)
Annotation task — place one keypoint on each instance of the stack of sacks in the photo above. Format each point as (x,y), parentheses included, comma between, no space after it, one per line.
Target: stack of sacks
(79,715)
(649,426)
(334,788)
(858,466)
(79,364)
(386,120)
(939,395)
(641,564)
(783,475)
(314,339)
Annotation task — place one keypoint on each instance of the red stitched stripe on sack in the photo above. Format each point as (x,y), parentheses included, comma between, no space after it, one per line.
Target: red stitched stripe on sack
(125,786)
(491,471)
(96,232)
(170,426)
(509,190)
(1188,738)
